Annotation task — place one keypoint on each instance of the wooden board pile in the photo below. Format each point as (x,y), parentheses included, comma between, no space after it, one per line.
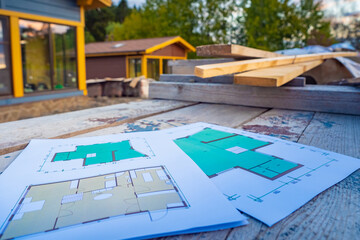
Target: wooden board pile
(267,70)
(116,87)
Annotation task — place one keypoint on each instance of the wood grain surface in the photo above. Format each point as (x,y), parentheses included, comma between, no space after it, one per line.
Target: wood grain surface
(17,134)
(333,214)
(233,51)
(275,76)
(335,99)
(213,70)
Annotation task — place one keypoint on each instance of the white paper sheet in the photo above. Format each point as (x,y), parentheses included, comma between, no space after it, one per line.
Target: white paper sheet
(263,176)
(108,187)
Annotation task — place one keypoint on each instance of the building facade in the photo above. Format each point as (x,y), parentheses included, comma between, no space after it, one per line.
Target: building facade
(42,48)
(133,58)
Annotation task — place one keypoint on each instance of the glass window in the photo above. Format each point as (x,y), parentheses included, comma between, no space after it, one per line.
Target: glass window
(166,66)
(64,56)
(5,72)
(153,69)
(48,56)
(35,52)
(134,65)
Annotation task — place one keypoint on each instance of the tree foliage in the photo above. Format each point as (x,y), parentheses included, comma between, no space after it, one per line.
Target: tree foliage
(198,21)
(97,20)
(264,24)
(280,24)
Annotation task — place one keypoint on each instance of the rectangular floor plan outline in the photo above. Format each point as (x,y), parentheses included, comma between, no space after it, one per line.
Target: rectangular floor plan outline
(79,201)
(217,151)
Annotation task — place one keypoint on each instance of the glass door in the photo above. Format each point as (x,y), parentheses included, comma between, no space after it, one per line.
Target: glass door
(5,72)
(35,51)
(153,69)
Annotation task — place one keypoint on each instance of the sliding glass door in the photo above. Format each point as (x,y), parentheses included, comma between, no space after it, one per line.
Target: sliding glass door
(48,56)
(5,65)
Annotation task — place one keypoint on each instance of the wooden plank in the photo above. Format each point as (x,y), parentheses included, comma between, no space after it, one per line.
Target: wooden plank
(275,76)
(296,82)
(334,132)
(226,79)
(280,123)
(226,115)
(18,133)
(188,66)
(335,99)
(213,70)
(233,51)
(190,78)
(333,214)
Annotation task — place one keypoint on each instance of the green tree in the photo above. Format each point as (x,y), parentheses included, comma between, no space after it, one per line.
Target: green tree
(280,24)
(314,30)
(96,21)
(88,37)
(197,21)
(122,11)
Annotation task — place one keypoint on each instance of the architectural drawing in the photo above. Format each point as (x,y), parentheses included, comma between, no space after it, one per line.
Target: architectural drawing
(100,153)
(80,201)
(74,156)
(217,151)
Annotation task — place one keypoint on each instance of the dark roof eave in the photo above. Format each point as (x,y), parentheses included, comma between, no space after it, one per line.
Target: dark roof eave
(141,52)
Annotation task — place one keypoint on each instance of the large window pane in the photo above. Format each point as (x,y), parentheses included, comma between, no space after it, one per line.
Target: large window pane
(166,66)
(5,74)
(35,52)
(134,67)
(153,68)
(64,44)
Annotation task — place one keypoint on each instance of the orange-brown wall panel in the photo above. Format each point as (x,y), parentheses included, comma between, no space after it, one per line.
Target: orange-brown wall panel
(109,66)
(173,50)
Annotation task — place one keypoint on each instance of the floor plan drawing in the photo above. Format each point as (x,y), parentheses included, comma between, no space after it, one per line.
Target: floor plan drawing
(216,151)
(263,176)
(100,153)
(69,157)
(80,201)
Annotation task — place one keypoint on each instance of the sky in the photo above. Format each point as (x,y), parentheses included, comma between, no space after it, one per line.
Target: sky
(131,3)
(342,10)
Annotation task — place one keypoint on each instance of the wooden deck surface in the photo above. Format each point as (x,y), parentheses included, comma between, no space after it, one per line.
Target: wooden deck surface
(333,214)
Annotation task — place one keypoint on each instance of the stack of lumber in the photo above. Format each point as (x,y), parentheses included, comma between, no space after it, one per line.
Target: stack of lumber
(267,70)
(116,87)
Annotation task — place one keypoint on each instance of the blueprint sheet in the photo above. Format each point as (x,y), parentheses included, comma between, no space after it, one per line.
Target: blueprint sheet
(265,177)
(108,187)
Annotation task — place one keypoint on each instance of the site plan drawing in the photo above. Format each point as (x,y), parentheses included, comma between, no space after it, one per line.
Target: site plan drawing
(108,187)
(265,177)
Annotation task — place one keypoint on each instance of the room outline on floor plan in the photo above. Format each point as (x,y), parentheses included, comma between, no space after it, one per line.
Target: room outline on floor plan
(100,153)
(149,190)
(216,151)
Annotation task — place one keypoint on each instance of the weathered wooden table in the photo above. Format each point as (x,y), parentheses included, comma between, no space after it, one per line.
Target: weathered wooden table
(333,214)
